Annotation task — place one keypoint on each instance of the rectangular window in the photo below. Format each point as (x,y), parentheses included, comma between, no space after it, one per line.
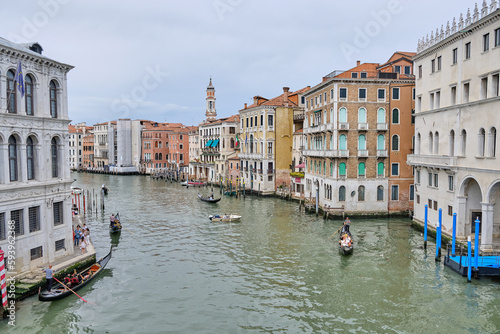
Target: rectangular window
(269,148)
(430,179)
(343,94)
(395,93)
(418,199)
(486,42)
(455,56)
(438,99)
(420,71)
(36,253)
(450,210)
(17,217)
(436,180)
(497,37)
(412,192)
(331,94)
(395,193)
(439,63)
(467,50)
(60,245)
(381,94)
(435,205)
(320,98)
(395,169)
(270,120)
(429,203)
(495,82)
(466,93)
(363,75)
(2,226)
(34,218)
(362,94)
(418,177)
(58,213)
(354,75)
(413,92)
(433,65)
(397,69)
(450,182)
(484,88)
(453,95)
(324,97)
(408,70)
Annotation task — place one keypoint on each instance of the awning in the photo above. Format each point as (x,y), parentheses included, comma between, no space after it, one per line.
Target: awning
(216,141)
(209,143)
(317,111)
(302,165)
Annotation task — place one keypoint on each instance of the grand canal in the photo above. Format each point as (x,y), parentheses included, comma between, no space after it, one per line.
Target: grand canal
(277,271)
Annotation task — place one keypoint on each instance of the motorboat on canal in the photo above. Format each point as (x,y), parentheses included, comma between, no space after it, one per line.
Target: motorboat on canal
(345,243)
(104,189)
(210,199)
(61,290)
(115,225)
(184,183)
(224,218)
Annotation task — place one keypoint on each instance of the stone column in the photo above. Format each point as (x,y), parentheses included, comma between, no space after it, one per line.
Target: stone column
(487,226)
(23,163)
(461,217)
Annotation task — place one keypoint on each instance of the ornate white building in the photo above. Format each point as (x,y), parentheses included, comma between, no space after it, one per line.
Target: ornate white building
(34,156)
(456,121)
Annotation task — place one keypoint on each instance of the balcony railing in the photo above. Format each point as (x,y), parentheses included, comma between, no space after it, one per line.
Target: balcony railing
(343,126)
(343,153)
(382,126)
(381,153)
(438,161)
(363,126)
(362,153)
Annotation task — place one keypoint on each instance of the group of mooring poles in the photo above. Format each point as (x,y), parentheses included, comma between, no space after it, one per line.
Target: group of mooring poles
(89,201)
(439,229)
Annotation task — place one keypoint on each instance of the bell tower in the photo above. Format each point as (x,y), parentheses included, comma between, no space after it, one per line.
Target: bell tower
(211,113)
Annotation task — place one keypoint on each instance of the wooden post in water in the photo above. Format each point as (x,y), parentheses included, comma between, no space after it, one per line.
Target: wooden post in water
(84,208)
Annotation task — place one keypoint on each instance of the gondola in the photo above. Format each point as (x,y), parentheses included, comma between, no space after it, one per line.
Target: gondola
(104,189)
(208,199)
(116,225)
(59,291)
(345,248)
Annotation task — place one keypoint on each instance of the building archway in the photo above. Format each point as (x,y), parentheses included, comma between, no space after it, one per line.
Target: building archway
(470,200)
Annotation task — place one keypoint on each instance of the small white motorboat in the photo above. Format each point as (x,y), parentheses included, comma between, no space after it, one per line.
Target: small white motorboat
(224,218)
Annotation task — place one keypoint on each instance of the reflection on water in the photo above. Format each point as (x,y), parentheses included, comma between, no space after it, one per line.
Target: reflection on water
(277,270)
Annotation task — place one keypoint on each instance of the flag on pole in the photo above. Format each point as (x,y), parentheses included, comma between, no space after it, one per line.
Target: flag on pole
(246,140)
(19,79)
(237,140)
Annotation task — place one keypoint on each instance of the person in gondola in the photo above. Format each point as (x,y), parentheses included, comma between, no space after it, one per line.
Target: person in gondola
(48,276)
(211,196)
(112,220)
(347,224)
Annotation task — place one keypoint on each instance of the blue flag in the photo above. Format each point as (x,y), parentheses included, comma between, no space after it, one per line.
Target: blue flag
(246,140)
(19,79)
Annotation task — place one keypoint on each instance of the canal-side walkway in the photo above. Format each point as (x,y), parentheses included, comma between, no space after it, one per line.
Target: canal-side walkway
(28,282)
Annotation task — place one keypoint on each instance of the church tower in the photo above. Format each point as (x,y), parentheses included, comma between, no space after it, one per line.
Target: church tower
(211,113)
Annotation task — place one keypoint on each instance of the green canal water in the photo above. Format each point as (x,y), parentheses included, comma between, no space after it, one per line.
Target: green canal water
(277,271)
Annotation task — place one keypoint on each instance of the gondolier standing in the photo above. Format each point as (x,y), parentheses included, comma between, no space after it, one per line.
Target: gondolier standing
(347,224)
(48,276)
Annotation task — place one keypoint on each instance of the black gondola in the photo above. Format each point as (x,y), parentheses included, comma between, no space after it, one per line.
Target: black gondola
(104,189)
(59,291)
(115,226)
(209,199)
(345,243)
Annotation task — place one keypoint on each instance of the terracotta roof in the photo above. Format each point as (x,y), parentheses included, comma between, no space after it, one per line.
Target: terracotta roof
(299,131)
(278,101)
(365,67)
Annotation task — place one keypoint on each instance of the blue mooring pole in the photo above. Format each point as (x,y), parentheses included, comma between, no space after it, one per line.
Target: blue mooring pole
(440,231)
(469,259)
(454,235)
(438,242)
(425,226)
(476,245)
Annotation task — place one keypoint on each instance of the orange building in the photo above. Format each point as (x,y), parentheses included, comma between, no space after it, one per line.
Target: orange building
(88,150)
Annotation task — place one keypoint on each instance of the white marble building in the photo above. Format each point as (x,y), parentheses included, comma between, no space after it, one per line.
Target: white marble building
(456,121)
(34,156)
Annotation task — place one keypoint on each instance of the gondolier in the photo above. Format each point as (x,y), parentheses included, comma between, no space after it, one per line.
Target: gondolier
(48,277)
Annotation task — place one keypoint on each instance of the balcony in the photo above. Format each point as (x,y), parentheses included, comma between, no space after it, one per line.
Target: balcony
(382,126)
(436,161)
(362,126)
(382,153)
(362,153)
(343,126)
(343,153)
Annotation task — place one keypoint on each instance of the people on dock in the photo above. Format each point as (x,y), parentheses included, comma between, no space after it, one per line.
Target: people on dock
(83,243)
(48,277)
(78,235)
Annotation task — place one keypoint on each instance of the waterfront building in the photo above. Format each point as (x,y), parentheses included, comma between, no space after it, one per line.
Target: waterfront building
(124,146)
(456,122)
(358,130)
(217,143)
(103,134)
(298,164)
(88,150)
(35,180)
(266,134)
(76,134)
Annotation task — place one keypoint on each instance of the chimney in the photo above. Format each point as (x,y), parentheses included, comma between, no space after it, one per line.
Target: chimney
(255,99)
(245,106)
(358,62)
(285,94)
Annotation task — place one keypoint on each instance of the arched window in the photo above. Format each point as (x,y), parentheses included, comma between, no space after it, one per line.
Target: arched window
(431,142)
(28,91)
(251,143)
(481,141)
(463,142)
(451,146)
(343,115)
(380,142)
(156,156)
(13,159)
(331,168)
(160,156)
(361,169)
(53,150)
(395,116)
(380,169)
(53,99)
(361,142)
(362,115)
(492,142)
(30,158)
(11,93)
(343,142)
(436,143)
(381,115)
(395,143)
(361,193)
(341,194)
(380,193)
(342,169)
(232,143)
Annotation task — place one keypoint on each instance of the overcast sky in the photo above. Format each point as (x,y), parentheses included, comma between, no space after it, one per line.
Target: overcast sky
(153,59)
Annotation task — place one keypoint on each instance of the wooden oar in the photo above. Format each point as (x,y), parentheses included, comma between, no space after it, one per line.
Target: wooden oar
(128,229)
(67,287)
(337,231)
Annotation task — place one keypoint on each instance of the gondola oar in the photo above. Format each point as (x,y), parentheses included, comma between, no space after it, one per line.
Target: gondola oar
(337,231)
(70,290)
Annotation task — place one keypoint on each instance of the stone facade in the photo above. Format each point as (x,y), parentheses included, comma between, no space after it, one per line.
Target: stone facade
(35,177)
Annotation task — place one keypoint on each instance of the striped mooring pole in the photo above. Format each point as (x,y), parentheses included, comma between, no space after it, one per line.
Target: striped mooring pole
(3,281)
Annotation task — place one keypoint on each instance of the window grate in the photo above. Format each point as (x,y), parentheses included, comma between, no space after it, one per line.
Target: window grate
(60,245)
(34,219)
(36,253)
(17,217)
(2,226)
(58,211)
